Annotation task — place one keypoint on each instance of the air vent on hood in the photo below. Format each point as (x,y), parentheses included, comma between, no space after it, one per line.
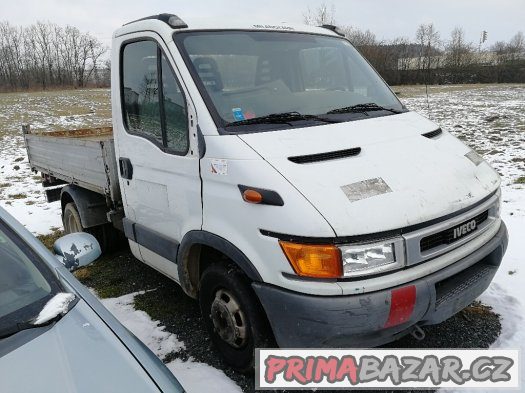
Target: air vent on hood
(331,155)
(433,134)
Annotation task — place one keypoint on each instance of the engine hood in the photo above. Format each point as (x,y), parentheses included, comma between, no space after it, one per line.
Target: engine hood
(78,354)
(398,179)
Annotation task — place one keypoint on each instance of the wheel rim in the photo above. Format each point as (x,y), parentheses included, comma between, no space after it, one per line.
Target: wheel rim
(72,225)
(228,319)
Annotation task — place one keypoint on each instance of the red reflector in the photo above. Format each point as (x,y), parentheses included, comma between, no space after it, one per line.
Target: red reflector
(401,305)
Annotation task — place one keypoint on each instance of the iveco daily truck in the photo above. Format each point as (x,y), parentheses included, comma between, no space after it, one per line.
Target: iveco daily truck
(272,173)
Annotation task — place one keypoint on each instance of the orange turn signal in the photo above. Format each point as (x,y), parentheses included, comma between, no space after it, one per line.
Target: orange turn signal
(252,196)
(311,260)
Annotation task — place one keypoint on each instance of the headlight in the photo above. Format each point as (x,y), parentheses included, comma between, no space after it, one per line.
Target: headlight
(310,260)
(373,258)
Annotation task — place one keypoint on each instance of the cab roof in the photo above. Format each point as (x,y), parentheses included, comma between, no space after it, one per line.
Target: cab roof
(159,23)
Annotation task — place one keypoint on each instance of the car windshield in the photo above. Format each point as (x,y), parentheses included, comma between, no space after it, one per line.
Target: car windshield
(26,283)
(247,76)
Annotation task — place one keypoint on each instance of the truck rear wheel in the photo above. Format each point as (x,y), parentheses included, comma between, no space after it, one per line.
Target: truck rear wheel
(232,315)
(71,219)
(106,235)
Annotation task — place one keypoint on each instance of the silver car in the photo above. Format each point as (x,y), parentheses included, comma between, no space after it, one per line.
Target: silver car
(55,336)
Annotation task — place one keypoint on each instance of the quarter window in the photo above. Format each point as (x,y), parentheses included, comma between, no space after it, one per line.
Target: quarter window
(154,106)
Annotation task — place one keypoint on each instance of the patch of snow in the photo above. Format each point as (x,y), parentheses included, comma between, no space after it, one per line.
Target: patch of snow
(138,322)
(501,142)
(193,376)
(506,294)
(22,195)
(200,377)
(56,306)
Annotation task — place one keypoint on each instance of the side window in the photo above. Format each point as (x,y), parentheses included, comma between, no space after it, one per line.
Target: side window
(154,106)
(141,89)
(174,110)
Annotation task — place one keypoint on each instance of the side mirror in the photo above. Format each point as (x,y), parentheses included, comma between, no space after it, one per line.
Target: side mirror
(77,249)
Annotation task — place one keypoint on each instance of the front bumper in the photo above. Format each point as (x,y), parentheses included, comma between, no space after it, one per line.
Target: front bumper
(300,320)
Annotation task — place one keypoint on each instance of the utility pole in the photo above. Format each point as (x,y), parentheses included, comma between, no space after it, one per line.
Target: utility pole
(482,39)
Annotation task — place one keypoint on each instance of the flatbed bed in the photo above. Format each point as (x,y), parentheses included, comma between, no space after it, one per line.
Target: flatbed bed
(84,157)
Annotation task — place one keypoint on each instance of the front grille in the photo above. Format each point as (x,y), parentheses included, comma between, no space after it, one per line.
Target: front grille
(452,287)
(447,236)
(331,155)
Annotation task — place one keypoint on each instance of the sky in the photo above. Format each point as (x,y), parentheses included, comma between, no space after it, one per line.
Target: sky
(386,18)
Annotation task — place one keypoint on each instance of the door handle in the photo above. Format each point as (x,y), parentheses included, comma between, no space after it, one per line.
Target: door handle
(126,169)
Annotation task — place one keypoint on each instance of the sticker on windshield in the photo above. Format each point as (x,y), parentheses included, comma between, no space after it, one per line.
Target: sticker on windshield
(219,167)
(238,114)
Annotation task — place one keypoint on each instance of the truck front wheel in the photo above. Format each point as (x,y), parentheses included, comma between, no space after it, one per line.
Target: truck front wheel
(232,315)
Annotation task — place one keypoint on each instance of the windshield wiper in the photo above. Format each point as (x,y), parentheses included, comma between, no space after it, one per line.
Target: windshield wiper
(280,118)
(362,108)
(26,325)
(15,328)
(54,310)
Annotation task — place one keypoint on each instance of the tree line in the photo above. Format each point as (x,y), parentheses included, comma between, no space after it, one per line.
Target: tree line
(429,58)
(45,55)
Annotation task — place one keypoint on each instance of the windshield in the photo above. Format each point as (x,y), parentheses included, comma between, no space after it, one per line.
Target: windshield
(26,283)
(247,75)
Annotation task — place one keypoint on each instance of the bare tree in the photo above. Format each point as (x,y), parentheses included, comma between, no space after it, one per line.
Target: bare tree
(360,38)
(46,55)
(459,52)
(516,46)
(403,53)
(322,15)
(11,50)
(427,37)
(510,52)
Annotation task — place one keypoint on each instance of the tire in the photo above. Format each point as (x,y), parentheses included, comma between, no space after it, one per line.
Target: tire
(71,219)
(233,315)
(107,236)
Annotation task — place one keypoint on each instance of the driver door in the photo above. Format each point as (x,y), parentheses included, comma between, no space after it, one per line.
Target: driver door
(157,152)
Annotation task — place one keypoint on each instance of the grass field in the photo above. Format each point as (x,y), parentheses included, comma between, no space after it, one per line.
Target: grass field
(20,190)
(489,118)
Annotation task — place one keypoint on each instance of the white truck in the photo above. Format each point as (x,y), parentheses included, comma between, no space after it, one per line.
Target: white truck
(274,175)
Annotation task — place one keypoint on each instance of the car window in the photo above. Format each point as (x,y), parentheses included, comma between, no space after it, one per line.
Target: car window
(26,283)
(154,105)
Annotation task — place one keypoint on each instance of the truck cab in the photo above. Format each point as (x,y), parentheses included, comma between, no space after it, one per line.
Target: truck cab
(272,173)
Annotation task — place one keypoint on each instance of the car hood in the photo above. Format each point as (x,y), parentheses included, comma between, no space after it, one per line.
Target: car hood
(399,178)
(78,354)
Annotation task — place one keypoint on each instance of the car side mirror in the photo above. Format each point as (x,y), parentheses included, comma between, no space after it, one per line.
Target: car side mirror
(77,249)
